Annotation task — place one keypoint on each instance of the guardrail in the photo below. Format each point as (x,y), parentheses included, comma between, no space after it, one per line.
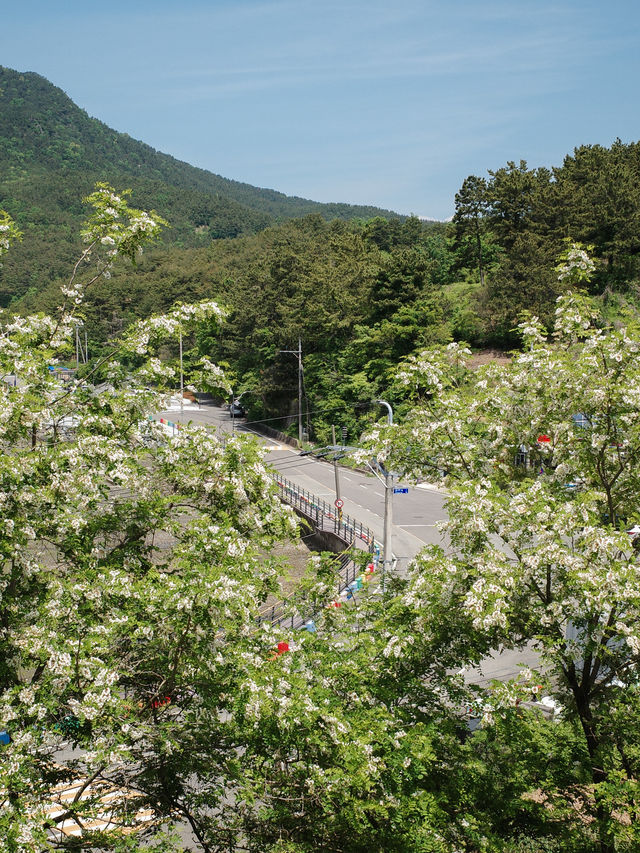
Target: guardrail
(325,518)
(324,515)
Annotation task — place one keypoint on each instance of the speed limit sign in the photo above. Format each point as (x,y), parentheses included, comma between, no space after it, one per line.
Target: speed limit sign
(338,503)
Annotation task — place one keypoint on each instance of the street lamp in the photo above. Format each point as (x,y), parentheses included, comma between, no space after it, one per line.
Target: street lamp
(181,379)
(387,560)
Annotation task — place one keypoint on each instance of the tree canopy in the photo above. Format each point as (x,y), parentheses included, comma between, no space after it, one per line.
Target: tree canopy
(540,457)
(148,704)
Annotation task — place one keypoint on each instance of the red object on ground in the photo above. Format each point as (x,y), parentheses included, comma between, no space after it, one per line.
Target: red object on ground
(280,650)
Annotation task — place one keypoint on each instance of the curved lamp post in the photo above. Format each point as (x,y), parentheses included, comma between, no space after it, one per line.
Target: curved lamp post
(387,560)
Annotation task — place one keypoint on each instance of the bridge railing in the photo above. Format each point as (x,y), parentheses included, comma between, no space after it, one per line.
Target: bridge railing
(327,518)
(324,515)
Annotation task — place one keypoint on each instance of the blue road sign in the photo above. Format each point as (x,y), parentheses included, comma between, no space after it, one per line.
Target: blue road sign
(399,491)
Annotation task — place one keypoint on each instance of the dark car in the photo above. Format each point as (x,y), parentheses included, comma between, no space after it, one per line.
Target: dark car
(236,409)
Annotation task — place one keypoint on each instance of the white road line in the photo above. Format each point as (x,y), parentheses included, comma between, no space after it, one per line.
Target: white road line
(108,798)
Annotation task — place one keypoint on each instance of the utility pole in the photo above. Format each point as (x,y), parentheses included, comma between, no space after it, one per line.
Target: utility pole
(300,391)
(181,378)
(387,560)
(298,353)
(82,352)
(335,471)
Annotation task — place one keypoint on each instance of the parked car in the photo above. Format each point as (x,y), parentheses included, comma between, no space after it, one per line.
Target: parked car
(237,410)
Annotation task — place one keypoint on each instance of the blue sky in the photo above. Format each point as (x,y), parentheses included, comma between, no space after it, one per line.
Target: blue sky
(388,103)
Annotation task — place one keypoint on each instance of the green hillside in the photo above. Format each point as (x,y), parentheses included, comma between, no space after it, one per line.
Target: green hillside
(52,153)
(360,294)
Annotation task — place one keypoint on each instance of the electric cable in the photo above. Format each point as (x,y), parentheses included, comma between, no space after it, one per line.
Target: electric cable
(313,412)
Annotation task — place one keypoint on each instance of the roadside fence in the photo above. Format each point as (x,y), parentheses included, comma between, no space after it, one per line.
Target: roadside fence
(325,516)
(358,537)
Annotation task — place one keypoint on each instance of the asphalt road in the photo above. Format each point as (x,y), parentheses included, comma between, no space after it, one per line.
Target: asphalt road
(414,514)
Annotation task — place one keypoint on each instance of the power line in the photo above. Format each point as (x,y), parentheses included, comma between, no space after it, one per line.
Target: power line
(313,412)
(290,417)
(291,463)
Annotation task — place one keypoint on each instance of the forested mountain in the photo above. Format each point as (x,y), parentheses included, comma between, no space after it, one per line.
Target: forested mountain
(362,288)
(360,295)
(363,295)
(52,153)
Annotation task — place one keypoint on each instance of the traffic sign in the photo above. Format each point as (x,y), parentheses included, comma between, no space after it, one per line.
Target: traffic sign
(401,491)
(338,503)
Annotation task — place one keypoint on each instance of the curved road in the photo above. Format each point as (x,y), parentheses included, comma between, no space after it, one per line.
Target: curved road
(414,514)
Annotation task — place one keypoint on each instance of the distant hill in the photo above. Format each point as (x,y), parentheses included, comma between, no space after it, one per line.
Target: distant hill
(52,153)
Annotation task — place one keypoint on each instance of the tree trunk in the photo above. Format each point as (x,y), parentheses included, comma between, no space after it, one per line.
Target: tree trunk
(479,245)
(606,842)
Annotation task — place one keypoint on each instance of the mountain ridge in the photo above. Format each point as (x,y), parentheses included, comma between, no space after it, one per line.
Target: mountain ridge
(51,155)
(133,153)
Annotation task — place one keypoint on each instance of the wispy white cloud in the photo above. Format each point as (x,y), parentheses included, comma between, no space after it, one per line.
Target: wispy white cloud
(343,100)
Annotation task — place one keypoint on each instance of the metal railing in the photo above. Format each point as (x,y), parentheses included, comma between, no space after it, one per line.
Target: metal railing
(325,516)
(282,615)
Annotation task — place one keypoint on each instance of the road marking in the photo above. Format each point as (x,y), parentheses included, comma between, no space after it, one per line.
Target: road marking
(107,815)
